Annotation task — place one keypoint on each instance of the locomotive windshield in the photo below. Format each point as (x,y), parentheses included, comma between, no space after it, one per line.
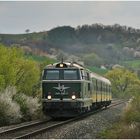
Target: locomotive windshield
(51,75)
(63,74)
(70,75)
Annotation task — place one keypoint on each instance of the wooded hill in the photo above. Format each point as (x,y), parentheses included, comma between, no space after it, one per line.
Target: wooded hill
(94,44)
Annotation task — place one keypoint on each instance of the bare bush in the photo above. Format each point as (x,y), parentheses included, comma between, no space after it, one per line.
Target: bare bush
(29,106)
(15,107)
(9,109)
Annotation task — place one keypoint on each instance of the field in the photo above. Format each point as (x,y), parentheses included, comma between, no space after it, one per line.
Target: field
(39,59)
(134,64)
(98,70)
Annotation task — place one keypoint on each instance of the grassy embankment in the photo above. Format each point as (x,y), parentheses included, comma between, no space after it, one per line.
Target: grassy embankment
(129,125)
(98,70)
(135,64)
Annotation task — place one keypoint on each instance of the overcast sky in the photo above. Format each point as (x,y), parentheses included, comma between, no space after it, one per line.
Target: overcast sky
(16,17)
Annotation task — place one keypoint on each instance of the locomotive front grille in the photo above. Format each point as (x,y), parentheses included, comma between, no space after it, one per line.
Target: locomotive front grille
(61,104)
(61,91)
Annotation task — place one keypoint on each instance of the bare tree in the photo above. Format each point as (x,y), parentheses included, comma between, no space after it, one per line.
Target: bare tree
(27,31)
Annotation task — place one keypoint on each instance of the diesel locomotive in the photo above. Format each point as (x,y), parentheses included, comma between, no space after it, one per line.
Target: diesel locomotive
(69,89)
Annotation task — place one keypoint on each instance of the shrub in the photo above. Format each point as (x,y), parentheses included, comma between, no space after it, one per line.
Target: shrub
(129,125)
(132,111)
(9,109)
(121,130)
(29,106)
(16,107)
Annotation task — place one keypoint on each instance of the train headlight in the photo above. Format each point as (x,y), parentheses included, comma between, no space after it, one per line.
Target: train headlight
(61,65)
(49,97)
(73,97)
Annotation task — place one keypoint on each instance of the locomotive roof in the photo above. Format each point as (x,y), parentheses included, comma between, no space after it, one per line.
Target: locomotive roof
(76,65)
(100,78)
(69,65)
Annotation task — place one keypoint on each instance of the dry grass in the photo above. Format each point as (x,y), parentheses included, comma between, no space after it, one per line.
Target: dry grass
(129,125)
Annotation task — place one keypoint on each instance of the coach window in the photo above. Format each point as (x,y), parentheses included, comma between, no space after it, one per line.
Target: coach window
(108,92)
(89,86)
(88,76)
(97,86)
(110,89)
(103,87)
(94,84)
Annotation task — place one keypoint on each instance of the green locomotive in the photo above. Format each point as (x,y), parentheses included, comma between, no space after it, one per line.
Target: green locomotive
(69,89)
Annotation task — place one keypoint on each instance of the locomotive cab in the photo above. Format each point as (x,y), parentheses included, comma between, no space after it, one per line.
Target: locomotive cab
(69,89)
(61,88)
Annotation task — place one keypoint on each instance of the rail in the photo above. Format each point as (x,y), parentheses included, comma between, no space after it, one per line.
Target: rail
(30,130)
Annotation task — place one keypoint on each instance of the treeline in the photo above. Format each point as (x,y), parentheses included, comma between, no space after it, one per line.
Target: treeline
(104,44)
(97,43)
(92,34)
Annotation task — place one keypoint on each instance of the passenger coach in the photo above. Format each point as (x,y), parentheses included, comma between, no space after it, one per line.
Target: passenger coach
(69,89)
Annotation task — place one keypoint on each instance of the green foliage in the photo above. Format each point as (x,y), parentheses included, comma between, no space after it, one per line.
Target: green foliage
(121,130)
(132,64)
(15,70)
(124,82)
(62,35)
(7,66)
(29,106)
(108,42)
(19,103)
(23,106)
(38,58)
(27,76)
(46,62)
(132,111)
(92,60)
(2,82)
(129,125)
(98,70)
(110,133)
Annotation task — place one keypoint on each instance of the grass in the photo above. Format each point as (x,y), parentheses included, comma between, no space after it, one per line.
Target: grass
(98,70)
(121,130)
(129,125)
(132,63)
(38,58)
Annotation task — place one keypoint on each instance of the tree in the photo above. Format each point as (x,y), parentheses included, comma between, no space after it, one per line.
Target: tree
(124,82)
(15,70)
(8,56)
(27,31)
(27,76)
(92,59)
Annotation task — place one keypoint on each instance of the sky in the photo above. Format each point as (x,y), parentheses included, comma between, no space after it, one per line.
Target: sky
(17,16)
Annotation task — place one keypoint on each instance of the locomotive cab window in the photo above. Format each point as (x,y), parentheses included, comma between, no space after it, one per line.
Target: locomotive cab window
(71,75)
(51,75)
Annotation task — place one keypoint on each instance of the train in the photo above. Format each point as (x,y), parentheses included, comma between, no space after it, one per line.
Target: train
(69,89)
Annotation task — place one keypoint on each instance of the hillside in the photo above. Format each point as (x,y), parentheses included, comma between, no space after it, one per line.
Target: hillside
(95,44)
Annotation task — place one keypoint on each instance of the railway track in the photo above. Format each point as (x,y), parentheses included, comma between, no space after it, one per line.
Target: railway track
(30,130)
(19,130)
